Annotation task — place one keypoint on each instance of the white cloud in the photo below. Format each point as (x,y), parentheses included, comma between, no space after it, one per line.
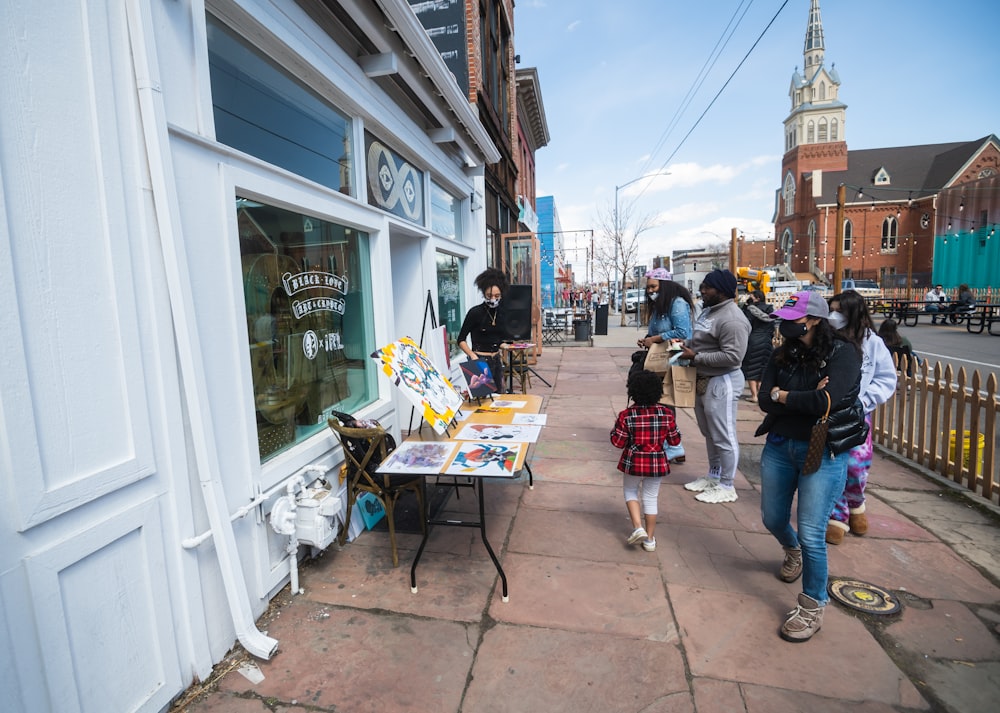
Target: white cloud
(573,25)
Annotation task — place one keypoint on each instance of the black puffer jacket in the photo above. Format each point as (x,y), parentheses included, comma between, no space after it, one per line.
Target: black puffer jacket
(804,404)
(759,344)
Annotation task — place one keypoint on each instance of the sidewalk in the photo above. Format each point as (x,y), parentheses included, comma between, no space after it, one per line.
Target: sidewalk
(595,625)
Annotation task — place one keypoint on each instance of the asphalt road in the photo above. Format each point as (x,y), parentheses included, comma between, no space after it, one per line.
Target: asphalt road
(952,344)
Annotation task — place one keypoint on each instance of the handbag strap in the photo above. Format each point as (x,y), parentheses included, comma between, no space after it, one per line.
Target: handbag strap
(828,404)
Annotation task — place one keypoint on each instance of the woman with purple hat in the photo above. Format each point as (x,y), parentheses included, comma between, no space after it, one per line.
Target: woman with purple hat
(670,310)
(813,372)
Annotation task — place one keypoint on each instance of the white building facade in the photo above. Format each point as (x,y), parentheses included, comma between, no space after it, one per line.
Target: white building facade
(212,212)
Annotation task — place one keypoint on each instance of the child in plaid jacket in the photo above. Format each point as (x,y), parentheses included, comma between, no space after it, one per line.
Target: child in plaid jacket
(641,431)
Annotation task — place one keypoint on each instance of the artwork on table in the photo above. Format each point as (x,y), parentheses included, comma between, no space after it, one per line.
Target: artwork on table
(490,409)
(498,432)
(412,371)
(418,457)
(508,403)
(479,377)
(485,459)
(530,419)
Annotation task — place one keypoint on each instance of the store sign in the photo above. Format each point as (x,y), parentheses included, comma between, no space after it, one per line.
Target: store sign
(393,184)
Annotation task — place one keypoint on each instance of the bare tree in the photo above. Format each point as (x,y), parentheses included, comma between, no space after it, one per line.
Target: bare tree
(620,237)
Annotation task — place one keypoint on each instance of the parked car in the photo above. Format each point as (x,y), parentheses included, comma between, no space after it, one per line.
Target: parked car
(631,300)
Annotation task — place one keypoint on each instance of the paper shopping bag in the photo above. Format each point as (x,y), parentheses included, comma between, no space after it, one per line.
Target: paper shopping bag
(678,386)
(657,358)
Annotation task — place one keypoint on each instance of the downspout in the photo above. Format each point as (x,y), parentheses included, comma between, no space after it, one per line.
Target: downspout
(186,338)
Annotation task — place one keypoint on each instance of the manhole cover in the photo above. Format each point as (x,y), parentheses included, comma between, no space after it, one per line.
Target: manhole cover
(864,597)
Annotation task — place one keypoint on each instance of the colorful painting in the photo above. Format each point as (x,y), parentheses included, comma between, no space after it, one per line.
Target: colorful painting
(412,371)
(479,377)
(418,457)
(498,432)
(485,460)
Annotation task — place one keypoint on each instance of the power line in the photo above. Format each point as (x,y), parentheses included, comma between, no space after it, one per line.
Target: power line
(719,93)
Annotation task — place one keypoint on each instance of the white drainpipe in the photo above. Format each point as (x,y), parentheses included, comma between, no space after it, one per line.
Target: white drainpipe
(186,336)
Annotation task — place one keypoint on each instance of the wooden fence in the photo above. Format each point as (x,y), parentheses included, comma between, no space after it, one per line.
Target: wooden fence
(945,423)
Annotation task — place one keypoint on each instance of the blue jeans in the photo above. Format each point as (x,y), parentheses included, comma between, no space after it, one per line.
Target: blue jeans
(781,476)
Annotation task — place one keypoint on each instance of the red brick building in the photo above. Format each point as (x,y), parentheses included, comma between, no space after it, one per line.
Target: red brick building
(891,210)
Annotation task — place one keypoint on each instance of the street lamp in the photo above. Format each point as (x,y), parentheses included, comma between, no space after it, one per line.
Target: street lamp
(619,282)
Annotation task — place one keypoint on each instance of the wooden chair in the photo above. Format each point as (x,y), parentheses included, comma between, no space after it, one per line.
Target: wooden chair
(364,449)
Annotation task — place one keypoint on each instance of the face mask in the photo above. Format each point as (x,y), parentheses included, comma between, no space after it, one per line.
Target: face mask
(793,330)
(494,303)
(652,295)
(837,320)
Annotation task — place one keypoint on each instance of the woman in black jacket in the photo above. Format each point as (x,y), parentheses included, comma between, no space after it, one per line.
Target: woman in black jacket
(758,311)
(813,370)
(486,324)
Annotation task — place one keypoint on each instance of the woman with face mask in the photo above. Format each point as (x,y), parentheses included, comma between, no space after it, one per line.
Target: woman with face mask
(849,315)
(759,346)
(670,310)
(486,324)
(814,369)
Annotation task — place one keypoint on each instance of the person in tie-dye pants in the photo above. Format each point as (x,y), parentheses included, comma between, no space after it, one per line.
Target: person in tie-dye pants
(849,314)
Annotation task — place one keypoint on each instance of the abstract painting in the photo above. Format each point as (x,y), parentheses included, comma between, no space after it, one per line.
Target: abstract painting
(485,460)
(428,389)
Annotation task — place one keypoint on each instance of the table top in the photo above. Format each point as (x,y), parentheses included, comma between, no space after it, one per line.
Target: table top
(432,461)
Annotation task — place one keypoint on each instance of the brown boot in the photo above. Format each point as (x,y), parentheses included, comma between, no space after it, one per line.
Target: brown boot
(791,567)
(858,520)
(835,531)
(803,621)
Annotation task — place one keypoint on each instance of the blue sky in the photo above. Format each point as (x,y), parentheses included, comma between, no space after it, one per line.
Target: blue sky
(614,74)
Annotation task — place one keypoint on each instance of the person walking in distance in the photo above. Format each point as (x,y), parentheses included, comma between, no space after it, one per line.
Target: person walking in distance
(641,431)
(716,350)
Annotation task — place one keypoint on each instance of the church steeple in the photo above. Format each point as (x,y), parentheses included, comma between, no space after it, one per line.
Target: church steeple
(818,116)
(812,52)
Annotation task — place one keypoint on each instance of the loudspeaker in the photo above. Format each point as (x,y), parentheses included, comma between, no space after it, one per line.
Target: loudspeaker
(517,311)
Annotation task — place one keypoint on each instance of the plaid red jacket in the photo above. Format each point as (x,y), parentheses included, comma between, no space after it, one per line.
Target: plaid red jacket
(640,432)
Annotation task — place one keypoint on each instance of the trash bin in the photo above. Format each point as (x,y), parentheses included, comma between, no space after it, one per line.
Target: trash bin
(601,319)
(581,330)
(966,448)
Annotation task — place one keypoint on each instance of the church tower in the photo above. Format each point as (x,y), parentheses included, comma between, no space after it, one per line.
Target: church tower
(815,142)
(817,115)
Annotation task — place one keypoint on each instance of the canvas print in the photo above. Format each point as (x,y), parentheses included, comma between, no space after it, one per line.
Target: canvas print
(530,419)
(498,432)
(479,377)
(418,457)
(427,388)
(485,460)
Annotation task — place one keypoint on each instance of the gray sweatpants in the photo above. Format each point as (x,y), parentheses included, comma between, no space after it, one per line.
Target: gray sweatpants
(715,411)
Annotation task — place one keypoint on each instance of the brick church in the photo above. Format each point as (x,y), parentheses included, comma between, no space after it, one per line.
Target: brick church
(902,205)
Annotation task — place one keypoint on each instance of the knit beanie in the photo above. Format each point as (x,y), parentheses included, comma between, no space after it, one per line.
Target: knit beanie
(722,280)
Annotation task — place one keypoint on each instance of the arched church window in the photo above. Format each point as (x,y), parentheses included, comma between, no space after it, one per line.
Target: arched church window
(848,237)
(811,132)
(890,233)
(822,91)
(788,195)
(834,130)
(822,130)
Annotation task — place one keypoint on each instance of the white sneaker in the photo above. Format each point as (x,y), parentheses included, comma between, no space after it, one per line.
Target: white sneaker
(649,545)
(638,533)
(717,494)
(703,483)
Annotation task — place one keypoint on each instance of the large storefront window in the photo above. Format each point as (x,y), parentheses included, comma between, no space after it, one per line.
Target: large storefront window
(445,216)
(307,285)
(261,110)
(449,288)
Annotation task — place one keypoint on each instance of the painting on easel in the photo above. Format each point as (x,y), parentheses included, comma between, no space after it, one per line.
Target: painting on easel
(427,388)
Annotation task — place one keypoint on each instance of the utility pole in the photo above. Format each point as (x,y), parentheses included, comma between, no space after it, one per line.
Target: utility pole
(838,259)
